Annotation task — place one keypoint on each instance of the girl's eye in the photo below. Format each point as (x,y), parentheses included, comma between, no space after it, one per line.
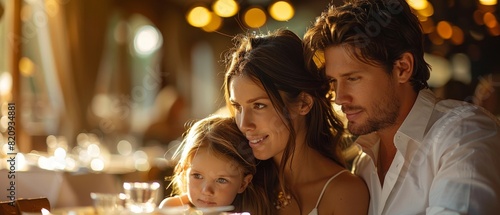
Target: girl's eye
(196,176)
(221,180)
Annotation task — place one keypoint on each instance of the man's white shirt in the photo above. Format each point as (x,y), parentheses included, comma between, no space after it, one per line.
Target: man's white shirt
(447,161)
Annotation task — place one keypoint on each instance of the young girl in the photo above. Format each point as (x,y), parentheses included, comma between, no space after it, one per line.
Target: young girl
(216,168)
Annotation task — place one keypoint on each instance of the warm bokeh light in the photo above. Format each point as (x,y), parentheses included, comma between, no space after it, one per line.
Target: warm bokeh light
(60,153)
(444,29)
(495,31)
(52,7)
(147,40)
(45,163)
(225,8)
(418,4)
(435,38)
(26,67)
(281,11)
(488,2)
(255,17)
(97,164)
(124,147)
(82,138)
(478,17)
(51,141)
(427,11)
(140,154)
(428,26)
(5,83)
(142,164)
(422,18)
(214,25)
(93,150)
(490,20)
(4,122)
(199,16)
(21,163)
(141,161)
(441,70)
(71,164)
(461,67)
(457,37)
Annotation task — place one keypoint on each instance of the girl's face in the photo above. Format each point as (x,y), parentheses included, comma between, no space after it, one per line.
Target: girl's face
(214,181)
(257,119)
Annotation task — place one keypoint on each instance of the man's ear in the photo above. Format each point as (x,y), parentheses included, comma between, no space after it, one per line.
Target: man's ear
(404,67)
(246,181)
(306,103)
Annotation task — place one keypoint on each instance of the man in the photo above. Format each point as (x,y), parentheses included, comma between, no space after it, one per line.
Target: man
(421,155)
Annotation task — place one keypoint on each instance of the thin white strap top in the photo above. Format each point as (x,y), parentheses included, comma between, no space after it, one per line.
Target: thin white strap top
(315,210)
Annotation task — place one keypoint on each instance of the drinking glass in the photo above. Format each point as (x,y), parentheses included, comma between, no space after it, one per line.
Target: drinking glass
(141,197)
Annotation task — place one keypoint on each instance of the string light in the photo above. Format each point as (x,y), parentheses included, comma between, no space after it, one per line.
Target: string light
(255,17)
(225,8)
(214,24)
(281,11)
(199,16)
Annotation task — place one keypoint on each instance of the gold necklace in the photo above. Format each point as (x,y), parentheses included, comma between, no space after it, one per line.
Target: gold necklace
(283,200)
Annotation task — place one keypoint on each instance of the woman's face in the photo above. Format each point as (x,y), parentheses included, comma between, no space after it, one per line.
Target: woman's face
(257,118)
(213,181)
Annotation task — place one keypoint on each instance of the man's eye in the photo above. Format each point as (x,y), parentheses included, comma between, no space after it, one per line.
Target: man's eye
(353,78)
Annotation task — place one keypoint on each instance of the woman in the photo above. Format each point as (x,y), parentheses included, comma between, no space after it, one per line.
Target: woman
(285,112)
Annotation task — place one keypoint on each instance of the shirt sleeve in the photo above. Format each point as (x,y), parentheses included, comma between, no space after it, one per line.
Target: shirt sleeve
(467,165)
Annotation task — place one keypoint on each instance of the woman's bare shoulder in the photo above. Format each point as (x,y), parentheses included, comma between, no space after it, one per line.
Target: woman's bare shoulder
(348,182)
(347,194)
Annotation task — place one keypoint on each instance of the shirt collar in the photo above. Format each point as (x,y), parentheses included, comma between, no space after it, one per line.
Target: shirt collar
(415,124)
